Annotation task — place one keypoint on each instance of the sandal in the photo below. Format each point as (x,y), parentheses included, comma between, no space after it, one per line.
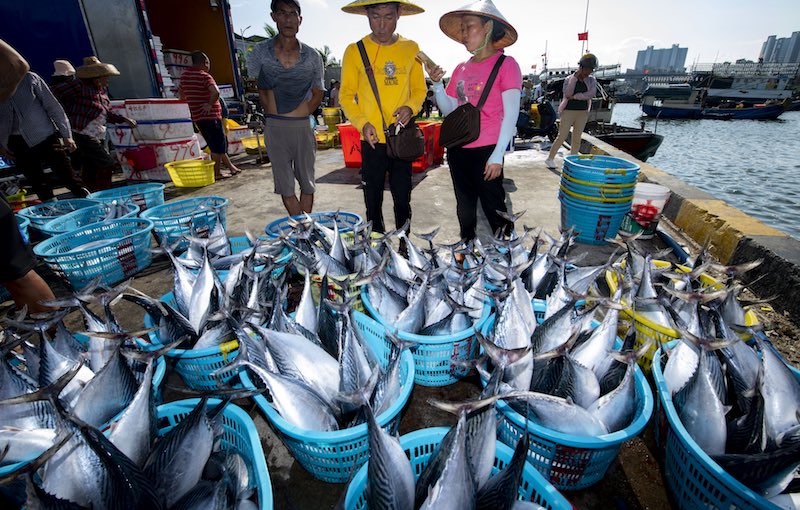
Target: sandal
(221,177)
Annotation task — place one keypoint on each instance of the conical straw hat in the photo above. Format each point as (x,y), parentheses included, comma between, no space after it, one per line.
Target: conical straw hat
(360,6)
(93,68)
(450,23)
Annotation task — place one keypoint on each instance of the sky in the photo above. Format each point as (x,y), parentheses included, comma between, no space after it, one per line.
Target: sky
(712,30)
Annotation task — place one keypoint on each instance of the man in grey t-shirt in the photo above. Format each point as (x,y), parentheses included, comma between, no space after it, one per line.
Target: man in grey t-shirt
(290,85)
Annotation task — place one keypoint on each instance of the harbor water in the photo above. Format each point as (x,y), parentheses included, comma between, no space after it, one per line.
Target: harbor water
(752,165)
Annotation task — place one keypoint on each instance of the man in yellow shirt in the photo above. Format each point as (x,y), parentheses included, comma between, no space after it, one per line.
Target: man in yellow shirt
(401,86)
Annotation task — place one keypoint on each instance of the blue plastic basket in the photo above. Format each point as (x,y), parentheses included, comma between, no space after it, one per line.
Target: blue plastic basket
(196,367)
(23,223)
(420,445)
(571,462)
(238,244)
(40,214)
(594,223)
(693,478)
(334,456)
(601,168)
(113,250)
(192,216)
(346,221)
(239,434)
(436,358)
(144,195)
(84,217)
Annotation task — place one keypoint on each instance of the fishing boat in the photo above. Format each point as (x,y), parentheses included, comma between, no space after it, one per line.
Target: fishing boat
(637,142)
(685,101)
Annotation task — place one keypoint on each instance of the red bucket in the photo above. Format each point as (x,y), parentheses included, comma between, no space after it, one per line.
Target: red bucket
(351,145)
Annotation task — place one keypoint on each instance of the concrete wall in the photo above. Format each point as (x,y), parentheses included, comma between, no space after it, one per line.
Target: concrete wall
(734,236)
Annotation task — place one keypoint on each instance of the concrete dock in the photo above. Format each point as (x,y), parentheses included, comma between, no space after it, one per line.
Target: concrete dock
(634,481)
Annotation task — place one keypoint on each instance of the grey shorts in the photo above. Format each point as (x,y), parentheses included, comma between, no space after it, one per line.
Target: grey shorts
(292,149)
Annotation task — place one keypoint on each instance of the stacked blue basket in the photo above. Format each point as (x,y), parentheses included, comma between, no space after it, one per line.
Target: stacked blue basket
(192,216)
(346,221)
(39,215)
(144,195)
(85,217)
(596,192)
(112,250)
(420,446)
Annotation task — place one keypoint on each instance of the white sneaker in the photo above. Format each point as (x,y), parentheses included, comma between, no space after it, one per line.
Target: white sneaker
(549,163)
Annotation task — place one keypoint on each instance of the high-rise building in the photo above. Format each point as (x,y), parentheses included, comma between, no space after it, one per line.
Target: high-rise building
(665,59)
(781,50)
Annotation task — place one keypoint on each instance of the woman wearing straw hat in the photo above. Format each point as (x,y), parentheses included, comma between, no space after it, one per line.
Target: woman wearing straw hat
(477,167)
(401,88)
(88,107)
(579,89)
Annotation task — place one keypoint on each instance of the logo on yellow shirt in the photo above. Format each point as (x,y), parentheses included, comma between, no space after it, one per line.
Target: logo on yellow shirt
(390,69)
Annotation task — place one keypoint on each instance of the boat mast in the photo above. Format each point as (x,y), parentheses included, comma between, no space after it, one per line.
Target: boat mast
(585,24)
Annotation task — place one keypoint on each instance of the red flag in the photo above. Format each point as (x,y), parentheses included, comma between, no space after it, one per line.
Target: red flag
(583,36)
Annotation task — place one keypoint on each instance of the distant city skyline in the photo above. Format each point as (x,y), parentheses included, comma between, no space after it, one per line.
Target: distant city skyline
(781,50)
(710,30)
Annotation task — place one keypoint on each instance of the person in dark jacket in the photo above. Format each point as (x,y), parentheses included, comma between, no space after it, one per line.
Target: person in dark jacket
(16,265)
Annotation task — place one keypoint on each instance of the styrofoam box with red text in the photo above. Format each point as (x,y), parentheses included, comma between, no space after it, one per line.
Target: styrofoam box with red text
(157,109)
(164,130)
(177,57)
(121,135)
(175,71)
(177,150)
(235,147)
(239,133)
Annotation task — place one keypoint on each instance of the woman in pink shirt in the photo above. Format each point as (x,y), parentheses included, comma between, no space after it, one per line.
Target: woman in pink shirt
(477,167)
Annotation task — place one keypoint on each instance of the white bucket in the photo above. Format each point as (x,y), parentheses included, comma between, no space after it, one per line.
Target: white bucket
(648,203)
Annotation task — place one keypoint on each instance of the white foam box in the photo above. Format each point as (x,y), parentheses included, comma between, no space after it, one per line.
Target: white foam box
(157,109)
(236,134)
(235,147)
(121,135)
(177,57)
(175,71)
(164,130)
(167,152)
(226,92)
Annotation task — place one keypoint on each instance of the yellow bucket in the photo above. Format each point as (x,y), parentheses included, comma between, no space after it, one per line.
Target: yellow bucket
(331,117)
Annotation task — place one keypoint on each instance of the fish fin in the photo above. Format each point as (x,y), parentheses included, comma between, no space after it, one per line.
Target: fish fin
(463,407)
(48,393)
(34,465)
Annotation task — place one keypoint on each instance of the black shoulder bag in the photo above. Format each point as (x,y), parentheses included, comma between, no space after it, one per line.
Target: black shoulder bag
(405,143)
(463,125)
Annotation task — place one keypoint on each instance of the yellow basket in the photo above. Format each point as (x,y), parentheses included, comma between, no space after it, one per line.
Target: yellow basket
(191,173)
(252,142)
(649,331)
